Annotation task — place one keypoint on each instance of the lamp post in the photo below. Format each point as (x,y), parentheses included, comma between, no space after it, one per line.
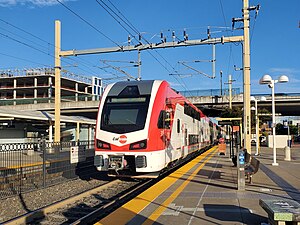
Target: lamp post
(267,79)
(257,122)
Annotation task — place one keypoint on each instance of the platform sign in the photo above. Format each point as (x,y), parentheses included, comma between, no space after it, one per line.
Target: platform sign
(225,122)
(77,154)
(235,128)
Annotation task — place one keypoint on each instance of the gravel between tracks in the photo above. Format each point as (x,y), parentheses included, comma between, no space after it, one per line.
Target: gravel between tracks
(27,202)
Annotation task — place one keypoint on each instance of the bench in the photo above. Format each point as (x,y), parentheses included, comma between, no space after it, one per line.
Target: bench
(281,211)
(252,168)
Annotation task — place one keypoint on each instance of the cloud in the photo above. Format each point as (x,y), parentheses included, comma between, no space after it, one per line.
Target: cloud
(41,3)
(283,70)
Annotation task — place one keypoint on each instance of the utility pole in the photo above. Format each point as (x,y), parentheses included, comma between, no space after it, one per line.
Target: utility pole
(230,90)
(57,68)
(221,74)
(214,61)
(246,70)
(139,65)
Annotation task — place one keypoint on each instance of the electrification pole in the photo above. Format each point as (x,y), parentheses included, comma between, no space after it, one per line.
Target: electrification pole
(57,81)
(221,73)
(230,90)
(246,71)
(139,65)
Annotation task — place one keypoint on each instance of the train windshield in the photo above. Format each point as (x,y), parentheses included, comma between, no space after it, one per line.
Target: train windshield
(124,115)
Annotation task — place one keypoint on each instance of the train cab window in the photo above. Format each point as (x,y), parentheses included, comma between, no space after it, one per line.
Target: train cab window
(124,114)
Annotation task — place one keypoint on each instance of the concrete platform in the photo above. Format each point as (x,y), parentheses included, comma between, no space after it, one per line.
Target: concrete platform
(204,191)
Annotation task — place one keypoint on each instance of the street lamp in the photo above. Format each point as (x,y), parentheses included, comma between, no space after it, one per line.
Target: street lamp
(267,79)
(262,98)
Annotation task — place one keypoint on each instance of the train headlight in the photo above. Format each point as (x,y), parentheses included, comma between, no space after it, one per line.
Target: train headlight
(141,161)
(98,160)
(138,145)
(103,145)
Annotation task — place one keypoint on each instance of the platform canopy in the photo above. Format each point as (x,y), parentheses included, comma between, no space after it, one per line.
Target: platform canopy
(9,114)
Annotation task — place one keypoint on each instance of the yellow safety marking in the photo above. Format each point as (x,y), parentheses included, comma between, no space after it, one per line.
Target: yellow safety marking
(136,205)
(48,162)
(153,217)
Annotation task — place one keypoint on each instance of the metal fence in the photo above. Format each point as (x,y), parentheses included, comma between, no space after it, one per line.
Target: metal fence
(28,166)
(210,92)
(25,101)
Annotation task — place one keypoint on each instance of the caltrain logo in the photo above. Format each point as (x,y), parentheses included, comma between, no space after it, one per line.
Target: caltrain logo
(122,139)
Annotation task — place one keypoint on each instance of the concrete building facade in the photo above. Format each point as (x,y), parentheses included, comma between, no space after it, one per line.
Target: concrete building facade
(37,86)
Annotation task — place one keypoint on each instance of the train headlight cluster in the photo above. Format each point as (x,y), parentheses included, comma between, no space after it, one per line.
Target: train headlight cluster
(102,144)
(138,145)
(98,160)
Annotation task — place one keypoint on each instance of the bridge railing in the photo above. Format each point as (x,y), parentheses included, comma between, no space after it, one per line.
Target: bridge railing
(24,101)
(210,92)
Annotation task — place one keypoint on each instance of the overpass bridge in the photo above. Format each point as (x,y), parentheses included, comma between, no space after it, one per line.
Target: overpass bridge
(286,105)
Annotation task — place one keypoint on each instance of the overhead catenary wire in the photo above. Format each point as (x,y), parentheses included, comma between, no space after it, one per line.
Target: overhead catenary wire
(231,55)
(33,42)
(124,17)
(26,60)
(223,14)
(26,39)
(88,23)
(18,28)
(83,63)
(113,14)
(23,43)
(28,45)
(134,29)
(165,65)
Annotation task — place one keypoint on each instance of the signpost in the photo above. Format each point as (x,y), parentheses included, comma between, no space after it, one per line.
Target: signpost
(239,159)
(77,154)
(220,123)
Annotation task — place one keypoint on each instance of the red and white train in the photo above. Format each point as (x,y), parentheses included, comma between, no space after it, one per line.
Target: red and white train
(144,126)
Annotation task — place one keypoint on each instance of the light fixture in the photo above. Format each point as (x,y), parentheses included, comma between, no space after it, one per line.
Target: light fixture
(267,79)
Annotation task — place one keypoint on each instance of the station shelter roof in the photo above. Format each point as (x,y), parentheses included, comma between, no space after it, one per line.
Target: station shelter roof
(9,114)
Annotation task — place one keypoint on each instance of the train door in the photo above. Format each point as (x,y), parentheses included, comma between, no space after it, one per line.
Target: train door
(164,124)
(177,133)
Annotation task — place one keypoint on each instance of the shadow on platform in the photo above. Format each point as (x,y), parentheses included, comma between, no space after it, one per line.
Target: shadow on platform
(232,213)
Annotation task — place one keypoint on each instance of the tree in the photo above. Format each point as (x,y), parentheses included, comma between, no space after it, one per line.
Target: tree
(282,130)
(235,112)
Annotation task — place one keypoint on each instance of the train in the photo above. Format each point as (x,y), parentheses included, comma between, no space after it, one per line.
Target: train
(145,126)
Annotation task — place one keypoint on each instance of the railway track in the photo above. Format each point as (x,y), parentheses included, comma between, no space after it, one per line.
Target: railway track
(94,204)
(89,204)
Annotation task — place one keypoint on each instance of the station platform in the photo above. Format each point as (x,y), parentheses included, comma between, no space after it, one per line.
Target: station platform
(204,191)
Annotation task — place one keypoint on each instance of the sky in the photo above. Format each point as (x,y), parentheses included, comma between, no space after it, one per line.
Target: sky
(27,40)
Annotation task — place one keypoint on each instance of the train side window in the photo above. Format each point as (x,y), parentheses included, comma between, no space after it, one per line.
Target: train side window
(164,120)
(178,126)
(160,123)
(167,120)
